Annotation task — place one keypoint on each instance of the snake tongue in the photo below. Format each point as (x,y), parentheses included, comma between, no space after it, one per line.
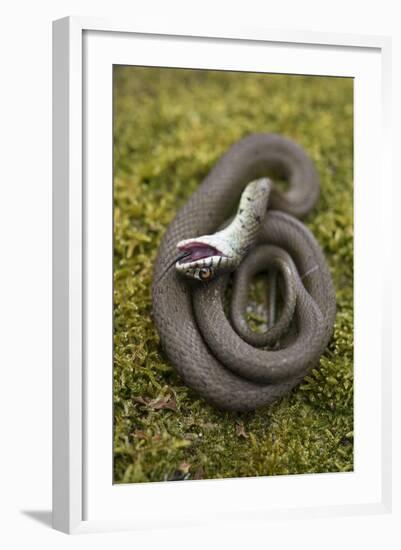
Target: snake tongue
(197,251)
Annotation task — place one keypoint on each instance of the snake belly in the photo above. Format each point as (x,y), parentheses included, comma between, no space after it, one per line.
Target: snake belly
(210,355)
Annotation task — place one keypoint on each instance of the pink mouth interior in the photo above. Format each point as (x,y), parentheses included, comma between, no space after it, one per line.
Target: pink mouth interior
(197,251)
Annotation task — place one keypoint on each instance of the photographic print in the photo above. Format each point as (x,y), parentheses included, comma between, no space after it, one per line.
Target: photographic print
(233,274)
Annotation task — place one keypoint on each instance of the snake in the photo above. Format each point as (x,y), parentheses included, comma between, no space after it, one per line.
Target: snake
(238,225)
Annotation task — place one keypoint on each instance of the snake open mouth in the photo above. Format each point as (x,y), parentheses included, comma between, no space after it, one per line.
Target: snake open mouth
(194,251)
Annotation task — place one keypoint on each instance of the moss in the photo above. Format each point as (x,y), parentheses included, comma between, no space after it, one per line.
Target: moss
(170,127)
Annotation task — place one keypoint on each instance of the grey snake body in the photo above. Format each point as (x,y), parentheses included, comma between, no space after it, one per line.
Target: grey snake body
(222,360)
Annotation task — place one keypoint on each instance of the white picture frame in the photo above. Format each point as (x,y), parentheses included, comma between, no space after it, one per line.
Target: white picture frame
(83,49)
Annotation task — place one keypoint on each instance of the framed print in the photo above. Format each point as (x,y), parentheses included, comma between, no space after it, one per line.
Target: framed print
(216,303)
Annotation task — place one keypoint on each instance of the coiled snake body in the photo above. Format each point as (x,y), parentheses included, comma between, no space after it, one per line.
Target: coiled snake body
(225,362)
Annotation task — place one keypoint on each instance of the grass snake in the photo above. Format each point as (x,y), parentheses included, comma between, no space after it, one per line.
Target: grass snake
(218,355)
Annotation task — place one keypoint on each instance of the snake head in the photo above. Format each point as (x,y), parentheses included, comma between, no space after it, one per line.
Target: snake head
(204,257)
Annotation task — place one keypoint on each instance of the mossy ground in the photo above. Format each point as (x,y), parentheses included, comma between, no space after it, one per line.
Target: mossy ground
(170,127)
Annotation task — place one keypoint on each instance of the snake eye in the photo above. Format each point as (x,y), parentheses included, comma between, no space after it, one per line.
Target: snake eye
(205,273)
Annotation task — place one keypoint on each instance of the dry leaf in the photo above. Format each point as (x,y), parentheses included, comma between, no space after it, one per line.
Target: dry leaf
(163,403)
(166,402)
(141,400)
(199,474)
(240,431)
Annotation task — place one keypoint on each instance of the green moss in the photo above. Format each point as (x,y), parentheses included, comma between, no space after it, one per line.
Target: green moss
(170,127)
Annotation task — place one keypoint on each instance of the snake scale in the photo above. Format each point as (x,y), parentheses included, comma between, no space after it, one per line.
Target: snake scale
(218,355)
